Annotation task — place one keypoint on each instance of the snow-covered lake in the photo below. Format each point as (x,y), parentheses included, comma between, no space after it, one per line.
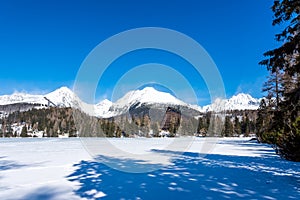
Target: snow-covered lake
(157,168)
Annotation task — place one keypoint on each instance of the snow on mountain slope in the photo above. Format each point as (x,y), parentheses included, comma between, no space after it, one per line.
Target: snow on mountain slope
(243,101)
(102,108)
(64,97)
(237,102)
(148,95)
(21,98)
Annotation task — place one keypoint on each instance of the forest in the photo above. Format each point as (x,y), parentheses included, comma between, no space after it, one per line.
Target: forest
(53,121)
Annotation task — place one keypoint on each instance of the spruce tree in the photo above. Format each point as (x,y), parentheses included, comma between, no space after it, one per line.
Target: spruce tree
(237,126)
(228,127)
(286,59)
(274,89)
(200,125)
(24,131)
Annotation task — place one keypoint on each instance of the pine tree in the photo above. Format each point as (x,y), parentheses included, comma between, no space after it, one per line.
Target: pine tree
(24,131)
(228,127)
(246,126)
(286,59)
(274,89)
(237,126)
(200,125)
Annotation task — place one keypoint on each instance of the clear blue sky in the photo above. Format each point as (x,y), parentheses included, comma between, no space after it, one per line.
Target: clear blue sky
(43,43)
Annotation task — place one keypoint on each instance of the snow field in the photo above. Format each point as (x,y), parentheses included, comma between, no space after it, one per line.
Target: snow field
(95,168)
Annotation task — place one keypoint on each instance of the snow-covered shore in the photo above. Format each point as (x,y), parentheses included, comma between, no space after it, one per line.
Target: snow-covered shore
(190,168)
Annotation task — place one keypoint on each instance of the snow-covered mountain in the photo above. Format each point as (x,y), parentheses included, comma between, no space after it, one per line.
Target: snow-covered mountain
(146,96)
(237,102)
(102,108)
(21,98)
(64,97)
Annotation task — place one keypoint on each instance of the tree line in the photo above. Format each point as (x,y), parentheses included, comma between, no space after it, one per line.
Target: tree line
(279,112)
(233,123)
(53,121)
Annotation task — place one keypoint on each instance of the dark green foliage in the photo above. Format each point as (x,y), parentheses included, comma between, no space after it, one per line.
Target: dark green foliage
(278,120)
(237,127)
(228,127)
(288,144)
(55,121)
(213,124)
(8,131)
(246,126)
(24,131)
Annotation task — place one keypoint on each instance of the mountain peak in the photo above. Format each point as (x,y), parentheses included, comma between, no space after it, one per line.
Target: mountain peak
(104,102)
(63,89)
(148,95)
(148,88)
(64,97)
(242,95)
(152,89)
(241,101)
(244,99)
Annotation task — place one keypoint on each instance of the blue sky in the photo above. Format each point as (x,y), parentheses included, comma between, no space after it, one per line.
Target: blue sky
(43,43)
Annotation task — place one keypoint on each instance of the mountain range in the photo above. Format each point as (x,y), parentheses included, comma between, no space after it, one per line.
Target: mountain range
(64,97)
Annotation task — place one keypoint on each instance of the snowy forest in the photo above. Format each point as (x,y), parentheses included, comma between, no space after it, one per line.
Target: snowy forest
(53,121)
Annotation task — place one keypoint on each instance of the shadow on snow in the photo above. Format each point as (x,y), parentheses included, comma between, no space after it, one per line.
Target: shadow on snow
(9,164)
(191,176)
(43,193)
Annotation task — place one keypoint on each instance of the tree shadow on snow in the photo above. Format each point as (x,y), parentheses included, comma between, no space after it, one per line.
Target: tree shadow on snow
(191,176)
(44,193)
(9,164)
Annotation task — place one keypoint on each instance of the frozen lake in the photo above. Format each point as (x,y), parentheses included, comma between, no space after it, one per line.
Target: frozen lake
(155,168)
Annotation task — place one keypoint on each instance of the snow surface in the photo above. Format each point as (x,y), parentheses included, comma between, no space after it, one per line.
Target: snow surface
(232,168)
